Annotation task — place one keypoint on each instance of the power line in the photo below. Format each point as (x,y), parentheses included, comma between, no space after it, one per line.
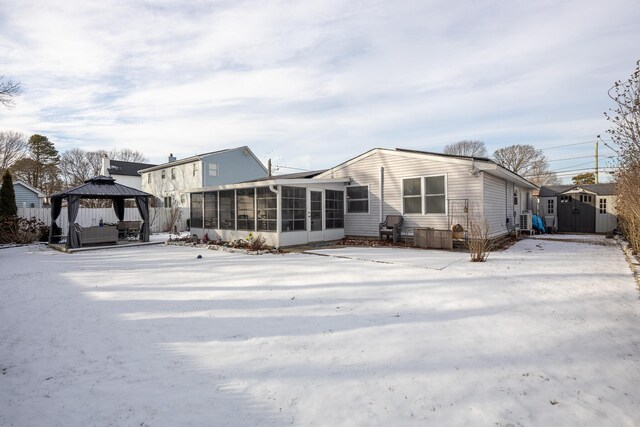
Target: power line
(581,157)
(569,145)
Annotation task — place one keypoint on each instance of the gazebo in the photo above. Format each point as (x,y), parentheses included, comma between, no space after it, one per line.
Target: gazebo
(99,187)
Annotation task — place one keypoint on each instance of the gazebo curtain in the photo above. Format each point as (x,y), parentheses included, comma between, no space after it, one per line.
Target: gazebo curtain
(118,207)
(56,208)
(73,240)
(143,208)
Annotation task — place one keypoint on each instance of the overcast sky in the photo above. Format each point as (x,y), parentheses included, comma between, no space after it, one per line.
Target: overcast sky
(313,83)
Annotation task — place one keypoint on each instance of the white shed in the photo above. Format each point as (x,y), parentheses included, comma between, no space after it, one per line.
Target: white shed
(585,208)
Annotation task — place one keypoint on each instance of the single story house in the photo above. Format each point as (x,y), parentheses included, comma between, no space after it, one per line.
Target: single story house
(27,196)
(351,199)
(583,208)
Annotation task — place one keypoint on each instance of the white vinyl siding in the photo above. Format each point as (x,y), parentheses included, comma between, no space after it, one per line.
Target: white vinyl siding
(459,185)
(498,201)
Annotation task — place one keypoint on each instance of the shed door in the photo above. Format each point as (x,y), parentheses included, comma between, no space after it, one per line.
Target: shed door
(577,213)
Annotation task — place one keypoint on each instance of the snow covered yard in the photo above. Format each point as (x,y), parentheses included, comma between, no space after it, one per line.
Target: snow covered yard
(546,333)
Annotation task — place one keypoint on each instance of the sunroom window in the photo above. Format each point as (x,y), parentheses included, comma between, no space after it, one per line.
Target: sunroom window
(211,210)
(294,209)
(227,210)
(334,209)
(267,203)
(196,210)
(246,209)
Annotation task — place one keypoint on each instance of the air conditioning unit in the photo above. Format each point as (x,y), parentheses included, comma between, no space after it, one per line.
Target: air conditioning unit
(525,221)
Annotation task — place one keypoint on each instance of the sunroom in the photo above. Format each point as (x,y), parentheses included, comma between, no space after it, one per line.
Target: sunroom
(284,211)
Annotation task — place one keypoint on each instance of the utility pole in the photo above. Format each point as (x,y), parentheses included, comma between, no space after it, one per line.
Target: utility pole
(596,171)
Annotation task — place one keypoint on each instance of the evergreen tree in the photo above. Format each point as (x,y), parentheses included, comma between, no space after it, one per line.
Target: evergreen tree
(8,206)
(45,156)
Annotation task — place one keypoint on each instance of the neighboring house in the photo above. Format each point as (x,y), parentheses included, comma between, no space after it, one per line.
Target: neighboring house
(173,181)
(27,196)
(582,208)
(351,199)
(125,173)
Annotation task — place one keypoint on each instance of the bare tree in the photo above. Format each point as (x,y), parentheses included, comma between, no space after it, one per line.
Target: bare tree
(127,155)
(13,147)
(8,91)
(625,117)
(625,133)
(527,161)
(78,165)
(466,148)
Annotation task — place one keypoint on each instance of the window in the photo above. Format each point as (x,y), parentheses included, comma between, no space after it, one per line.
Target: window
(195,169)
(246,209)
(294,209)
(434,195)
(550,207)
(227,210)
(425,195)
(585,198)
(163,174)
(334,209)
(211,210)
(167,202)
(173,173)
(213,169)
(196,210)
(515,198)
(358,199)
(565,199)
(148,178)
(267,203)
(411,198)
(603,206)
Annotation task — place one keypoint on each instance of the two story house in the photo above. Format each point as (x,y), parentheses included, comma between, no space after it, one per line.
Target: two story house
(172,181)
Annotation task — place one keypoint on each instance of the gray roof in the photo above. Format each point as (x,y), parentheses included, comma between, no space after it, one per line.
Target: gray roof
(295,175)
(119,167)
(607,189)
(199,157)
(457,156)
(101,187)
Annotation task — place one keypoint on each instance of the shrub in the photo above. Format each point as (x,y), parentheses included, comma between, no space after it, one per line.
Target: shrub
(478,241)
(22,231)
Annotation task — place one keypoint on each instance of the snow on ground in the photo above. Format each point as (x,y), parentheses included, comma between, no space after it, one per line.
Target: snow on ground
(406,257)
(545,333)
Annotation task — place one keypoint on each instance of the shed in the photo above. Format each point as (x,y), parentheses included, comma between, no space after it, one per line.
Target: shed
(582,208)
(99,187)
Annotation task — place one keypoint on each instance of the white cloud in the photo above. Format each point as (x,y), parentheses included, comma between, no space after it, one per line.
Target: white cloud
(313,83)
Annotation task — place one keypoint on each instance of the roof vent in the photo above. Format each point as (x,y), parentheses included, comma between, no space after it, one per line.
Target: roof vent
(171,158)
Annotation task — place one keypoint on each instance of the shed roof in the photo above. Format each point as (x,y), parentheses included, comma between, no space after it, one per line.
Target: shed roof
(101,187)
(606,189)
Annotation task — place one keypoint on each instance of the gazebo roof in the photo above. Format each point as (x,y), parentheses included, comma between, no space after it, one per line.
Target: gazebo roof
(101,187)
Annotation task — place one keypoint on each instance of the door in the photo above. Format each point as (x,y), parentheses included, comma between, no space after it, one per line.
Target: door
(314,215)
(577,213)
(585,213)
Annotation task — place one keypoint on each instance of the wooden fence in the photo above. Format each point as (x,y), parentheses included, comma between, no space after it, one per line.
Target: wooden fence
(88,217)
